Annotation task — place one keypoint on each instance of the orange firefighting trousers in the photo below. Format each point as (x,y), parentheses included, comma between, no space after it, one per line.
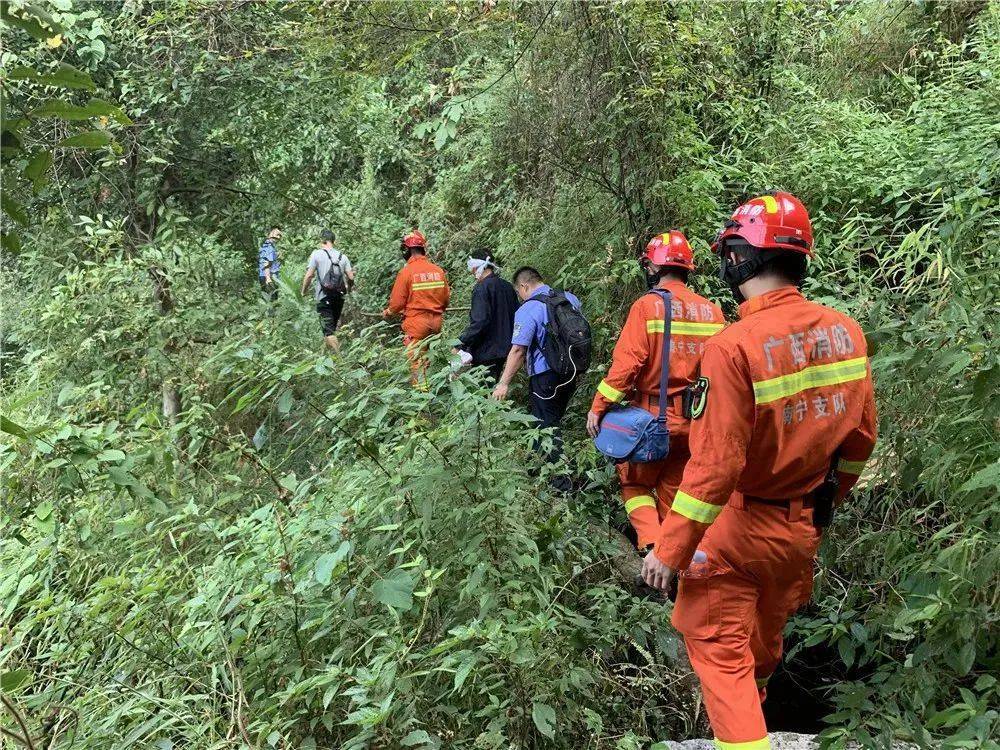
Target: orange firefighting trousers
(648,491)
(417,326)
(753,569)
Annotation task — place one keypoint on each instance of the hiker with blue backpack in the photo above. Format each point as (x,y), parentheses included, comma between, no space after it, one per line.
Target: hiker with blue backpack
(655,369)
(333,275)
(552,338)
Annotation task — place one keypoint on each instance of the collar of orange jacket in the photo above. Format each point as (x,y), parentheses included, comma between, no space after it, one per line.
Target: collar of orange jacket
(672,284)
(774,298)
(415,257)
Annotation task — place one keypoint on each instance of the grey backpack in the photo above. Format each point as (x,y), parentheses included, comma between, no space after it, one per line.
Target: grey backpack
(334,280)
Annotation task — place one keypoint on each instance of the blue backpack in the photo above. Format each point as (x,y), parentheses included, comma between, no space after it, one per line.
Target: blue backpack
(630,433)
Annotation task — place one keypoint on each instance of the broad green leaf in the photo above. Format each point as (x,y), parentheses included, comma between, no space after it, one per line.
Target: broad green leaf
(463,672)
(419,737)
(94,108)
(13,209)
(10,242)
(988,477)
(846,648)
(90,140)
(394,591)
(326,563)
(121,477)
(30,18)
(65,76)
(289,482)
(37,167)
(544,717)
(11,681)
(12,428)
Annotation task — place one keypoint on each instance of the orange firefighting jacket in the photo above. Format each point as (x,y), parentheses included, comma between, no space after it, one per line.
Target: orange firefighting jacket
(635,365)
(789,386)
(420,287)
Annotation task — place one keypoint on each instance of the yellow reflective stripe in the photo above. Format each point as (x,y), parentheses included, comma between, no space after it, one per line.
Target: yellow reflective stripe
(684,327)
(428,285)
(770,204)
(640,501)
(850,467)
(695,509)
(610,393)
(695,329)
(832,373)
(764,744)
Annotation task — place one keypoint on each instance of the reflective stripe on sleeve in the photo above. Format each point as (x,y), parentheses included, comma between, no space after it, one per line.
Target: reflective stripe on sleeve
(684,327)
(639,501)
(428,285)
(764,744)
(610,393)
(832,373)
(851,467)
(695,509)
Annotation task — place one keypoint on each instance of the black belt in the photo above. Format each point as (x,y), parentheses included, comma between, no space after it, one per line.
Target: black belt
(674,403)
(807,501)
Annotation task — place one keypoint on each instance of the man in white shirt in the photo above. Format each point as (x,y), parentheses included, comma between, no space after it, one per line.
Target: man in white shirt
(334,277)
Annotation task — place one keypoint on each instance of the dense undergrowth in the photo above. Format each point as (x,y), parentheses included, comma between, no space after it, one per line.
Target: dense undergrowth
(304,552)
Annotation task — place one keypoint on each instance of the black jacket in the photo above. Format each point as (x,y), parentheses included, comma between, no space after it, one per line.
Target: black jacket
(491,320)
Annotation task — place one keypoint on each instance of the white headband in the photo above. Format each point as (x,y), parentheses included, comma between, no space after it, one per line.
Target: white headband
(476,265)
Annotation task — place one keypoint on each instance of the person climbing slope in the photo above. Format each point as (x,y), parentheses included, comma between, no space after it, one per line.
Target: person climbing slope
(782,430)
(648,488)
(420,294)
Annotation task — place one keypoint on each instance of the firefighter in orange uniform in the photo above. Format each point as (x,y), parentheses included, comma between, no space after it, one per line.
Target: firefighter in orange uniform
(420,294)
(648,488)
(783,428)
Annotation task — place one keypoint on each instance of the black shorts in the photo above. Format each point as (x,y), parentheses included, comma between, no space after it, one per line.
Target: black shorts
(329,309)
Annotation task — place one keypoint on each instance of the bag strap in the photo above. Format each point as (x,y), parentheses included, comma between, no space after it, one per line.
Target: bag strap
(665,351)
(340,257)
(544,299)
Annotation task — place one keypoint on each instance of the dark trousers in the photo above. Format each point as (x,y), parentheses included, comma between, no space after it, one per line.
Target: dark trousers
(549,396)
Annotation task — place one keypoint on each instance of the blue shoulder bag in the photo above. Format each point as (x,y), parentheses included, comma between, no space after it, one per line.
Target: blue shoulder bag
(631,433)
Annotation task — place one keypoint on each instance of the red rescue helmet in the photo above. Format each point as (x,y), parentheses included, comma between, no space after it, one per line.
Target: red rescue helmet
(414,239)
(770,222)
(670,249)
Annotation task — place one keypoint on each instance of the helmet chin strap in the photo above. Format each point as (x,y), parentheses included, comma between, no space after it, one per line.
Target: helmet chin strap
(652,278)
(736,274)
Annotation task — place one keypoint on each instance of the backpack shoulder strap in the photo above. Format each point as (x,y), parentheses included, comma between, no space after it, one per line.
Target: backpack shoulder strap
(667,298)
